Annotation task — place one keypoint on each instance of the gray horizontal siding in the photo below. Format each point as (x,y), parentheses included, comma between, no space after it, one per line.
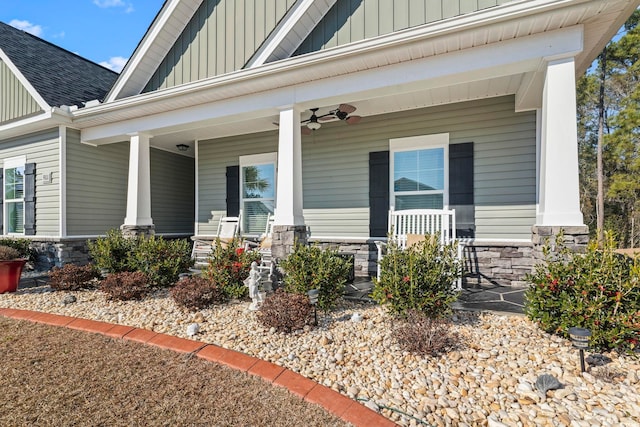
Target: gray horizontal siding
(96,186)
(336,168)
(213,158)
(42,149)
(352,20)
(15,100)
(172,192)
(220,38)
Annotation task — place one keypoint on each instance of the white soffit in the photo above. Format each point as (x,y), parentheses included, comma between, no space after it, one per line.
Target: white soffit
(152,49)
(291,31)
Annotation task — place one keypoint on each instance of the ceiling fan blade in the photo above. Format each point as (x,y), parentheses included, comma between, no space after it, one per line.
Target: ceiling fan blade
(327,118)
(352,120)
(346,108)
(305,130)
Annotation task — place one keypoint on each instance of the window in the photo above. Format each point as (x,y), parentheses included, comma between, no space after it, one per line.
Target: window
(419,172)
(257,191)
(14,195)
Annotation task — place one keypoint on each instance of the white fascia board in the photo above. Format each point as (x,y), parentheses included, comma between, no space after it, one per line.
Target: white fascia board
(509,57)
(48,119)
(286,28)
(150,38)
(23,80)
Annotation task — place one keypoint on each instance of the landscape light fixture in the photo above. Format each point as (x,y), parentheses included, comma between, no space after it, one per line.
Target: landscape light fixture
(182,147)
(313,299)
(580,340)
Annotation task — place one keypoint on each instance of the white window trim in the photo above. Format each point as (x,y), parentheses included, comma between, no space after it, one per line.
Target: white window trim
(11,163)
(420,142)
(257,160)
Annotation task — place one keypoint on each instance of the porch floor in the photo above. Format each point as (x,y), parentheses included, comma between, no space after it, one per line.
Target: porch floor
(485,297)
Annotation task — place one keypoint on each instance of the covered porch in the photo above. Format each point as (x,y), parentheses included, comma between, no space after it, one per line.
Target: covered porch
(508,98)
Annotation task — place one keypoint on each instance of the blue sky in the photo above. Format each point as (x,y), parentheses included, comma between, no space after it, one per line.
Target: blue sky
(104,31)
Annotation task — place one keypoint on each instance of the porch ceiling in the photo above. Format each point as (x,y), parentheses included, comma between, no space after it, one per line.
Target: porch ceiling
(499,51)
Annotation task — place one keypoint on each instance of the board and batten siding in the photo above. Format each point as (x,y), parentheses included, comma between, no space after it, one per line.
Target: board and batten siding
(220,38)
(41,148)
(96,186)
(15,100)
(172,192)
(335,166)
(352,20)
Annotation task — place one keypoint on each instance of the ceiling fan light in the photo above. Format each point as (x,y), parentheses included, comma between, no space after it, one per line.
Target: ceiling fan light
(313,125)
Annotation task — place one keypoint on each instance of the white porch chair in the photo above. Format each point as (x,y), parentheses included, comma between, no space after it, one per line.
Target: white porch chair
(228,227)
(405,224)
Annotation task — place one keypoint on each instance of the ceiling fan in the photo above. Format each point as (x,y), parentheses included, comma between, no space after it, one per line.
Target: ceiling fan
(341,113)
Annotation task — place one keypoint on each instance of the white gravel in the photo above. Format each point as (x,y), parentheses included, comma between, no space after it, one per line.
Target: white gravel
(489,380)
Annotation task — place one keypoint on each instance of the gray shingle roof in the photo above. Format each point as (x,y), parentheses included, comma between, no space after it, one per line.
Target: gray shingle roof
(59,76)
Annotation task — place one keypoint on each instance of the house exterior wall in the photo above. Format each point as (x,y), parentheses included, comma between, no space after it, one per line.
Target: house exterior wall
(41,148)
(172,192)
(15,100)
(220,38)
(335,167)
(96,186)
(352,20)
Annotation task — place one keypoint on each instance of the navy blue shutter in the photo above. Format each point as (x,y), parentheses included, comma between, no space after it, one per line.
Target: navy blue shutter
(30,199)
(1,201)
(233,190)
(461,187)
(378,193)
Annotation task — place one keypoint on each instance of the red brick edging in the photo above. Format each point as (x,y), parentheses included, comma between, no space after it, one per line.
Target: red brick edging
(343,407)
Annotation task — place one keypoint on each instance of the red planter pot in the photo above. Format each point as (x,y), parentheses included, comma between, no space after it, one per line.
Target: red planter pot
(10,272)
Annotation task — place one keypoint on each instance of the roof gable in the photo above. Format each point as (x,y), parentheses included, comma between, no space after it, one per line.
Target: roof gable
(220,38)
(16,99)
(57,75)
(354,20)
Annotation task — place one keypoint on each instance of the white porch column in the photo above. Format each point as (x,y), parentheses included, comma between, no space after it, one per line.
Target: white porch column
(559,192)
(289,192)
(139,187)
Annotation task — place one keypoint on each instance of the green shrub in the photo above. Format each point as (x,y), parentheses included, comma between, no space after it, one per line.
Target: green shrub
(160,259)
(23,246)
(111,253)
(72,277)
(310,267)
(284,311)
(228,266)
(424,335)
(419,278)
(125,285)
(195,293)
(598,290)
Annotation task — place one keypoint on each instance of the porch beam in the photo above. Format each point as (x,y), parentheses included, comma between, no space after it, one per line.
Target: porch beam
(289,175)
(139,184)
(559,192)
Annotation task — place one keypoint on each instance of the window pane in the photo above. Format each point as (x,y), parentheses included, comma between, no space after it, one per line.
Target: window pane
(14,180)
(258,181)
(422,201)
(405,181)
(418,170)
(15,214)
(254,215)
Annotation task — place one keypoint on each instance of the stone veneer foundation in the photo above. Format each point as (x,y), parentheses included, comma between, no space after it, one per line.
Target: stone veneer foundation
(501,263)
